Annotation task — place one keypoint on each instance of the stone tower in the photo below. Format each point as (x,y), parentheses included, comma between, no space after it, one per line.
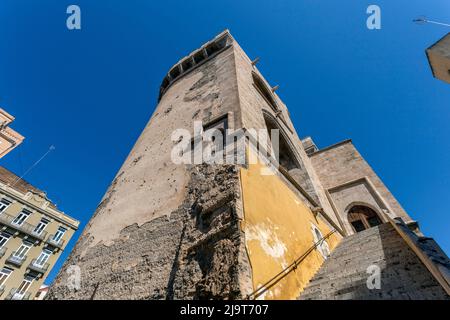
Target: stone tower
(166,230)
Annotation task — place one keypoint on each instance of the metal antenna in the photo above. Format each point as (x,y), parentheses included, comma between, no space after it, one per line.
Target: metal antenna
(422,20)
(50,149)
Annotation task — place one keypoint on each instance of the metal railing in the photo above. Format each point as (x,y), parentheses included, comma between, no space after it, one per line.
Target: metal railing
(56,243)
(16,260)
(24,227)
(3,251)
(40,268)
(283,273)
(14,294)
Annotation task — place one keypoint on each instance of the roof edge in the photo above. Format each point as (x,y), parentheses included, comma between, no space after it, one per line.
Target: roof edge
(331,147)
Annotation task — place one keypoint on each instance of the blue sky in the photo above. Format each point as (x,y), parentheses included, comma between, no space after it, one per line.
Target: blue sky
(90,92)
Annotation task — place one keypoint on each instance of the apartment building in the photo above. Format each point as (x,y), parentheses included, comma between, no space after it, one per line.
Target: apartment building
(33,233)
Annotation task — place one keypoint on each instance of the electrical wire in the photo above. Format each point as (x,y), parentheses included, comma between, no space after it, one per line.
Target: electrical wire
(50,149)
(423,20)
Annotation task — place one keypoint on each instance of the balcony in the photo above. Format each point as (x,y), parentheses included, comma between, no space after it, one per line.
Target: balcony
(55,243)
(3,251)
(39,268)
(2,289)
(14,294)
(15,260)
(25,227)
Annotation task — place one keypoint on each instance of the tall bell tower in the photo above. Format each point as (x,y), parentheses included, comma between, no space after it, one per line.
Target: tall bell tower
(167,229)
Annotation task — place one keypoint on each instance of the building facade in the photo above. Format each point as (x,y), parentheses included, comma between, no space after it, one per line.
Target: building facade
(42,292)
(234,230)
(9,139)
(439,58)
(33,233)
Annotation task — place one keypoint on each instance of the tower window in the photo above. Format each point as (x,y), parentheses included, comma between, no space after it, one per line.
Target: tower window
(286,157)
(362,218)
(264,91)
(220,124)
(199,57)
(187,64)
(175,72)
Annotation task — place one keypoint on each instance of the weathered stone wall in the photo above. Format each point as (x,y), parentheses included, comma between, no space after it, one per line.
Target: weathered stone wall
(131,247)
(341,164)
(168,231)
(196,253)
(212,260)
(345,273)
(252,105)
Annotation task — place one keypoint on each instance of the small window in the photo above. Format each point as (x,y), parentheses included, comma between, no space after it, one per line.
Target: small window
(23,288)
(220,124)
(41,226)
(59,234)
(4,237)
(199,56)
(187,64)
(22,251)
(4,203)
(374,221)
(216,46)
(4,275)
(358,225)
(211,49)
(175,72)
(43,257)
(23,215)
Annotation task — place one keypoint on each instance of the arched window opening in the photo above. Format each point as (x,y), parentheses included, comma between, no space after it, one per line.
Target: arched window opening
(362,218)
(264,91)
(286,157)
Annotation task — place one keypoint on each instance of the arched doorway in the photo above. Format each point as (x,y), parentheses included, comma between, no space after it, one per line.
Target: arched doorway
(362,218)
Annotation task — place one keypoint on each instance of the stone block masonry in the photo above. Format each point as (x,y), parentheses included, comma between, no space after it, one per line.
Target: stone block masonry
(193,254)
(179,231)
(344,274)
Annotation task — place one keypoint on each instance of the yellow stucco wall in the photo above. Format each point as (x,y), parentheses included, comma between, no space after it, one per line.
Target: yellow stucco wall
(277,226)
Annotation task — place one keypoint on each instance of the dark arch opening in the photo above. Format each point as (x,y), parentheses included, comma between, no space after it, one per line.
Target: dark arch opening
(362,218)
(286,157)
(264,91)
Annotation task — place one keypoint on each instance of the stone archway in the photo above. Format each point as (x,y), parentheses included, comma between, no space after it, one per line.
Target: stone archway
(362,217)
